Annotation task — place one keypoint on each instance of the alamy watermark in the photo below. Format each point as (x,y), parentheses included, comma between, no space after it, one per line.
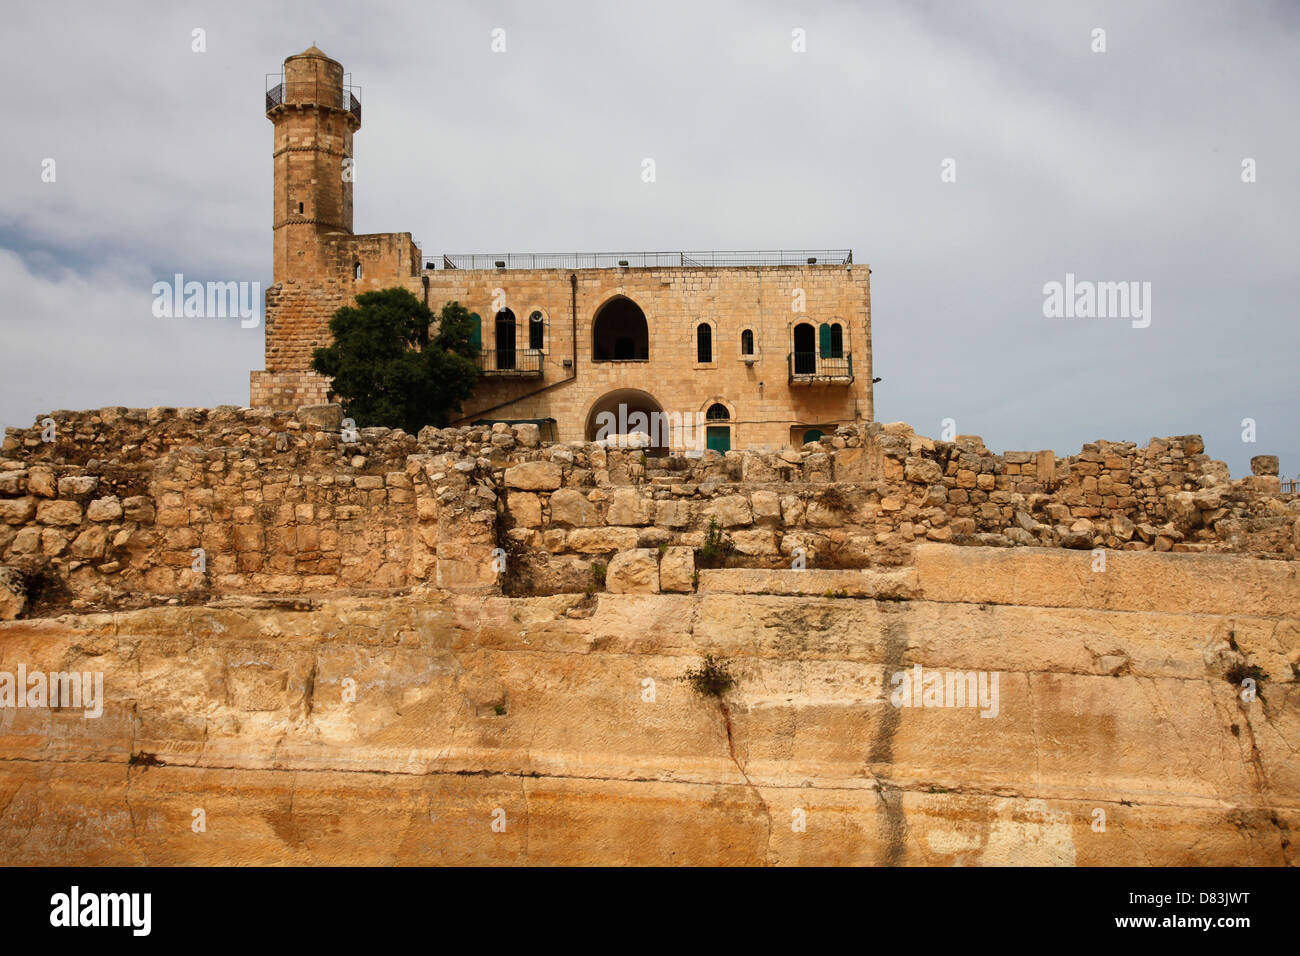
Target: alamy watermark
(75,908)
(922,688)
(207,300)
(73,689)
(677,431)
(1085,299)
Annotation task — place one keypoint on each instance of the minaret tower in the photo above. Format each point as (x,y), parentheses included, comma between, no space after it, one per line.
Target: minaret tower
(315,116)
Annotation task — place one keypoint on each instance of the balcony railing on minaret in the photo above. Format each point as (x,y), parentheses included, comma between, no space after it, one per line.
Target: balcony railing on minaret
(350,102)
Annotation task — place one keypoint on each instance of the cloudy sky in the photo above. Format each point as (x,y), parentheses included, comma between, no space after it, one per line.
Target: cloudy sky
(1124,165)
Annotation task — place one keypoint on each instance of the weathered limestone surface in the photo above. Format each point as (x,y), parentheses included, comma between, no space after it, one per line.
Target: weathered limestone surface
(465,704)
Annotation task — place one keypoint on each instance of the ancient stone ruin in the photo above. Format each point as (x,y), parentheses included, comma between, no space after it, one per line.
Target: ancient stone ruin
(467,645)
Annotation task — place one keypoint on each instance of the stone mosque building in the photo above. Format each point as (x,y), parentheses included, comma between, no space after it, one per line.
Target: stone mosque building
(772,348)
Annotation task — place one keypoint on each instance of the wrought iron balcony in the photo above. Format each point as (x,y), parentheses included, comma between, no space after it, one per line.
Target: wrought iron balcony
(350,102)
(812,368)
(510,363)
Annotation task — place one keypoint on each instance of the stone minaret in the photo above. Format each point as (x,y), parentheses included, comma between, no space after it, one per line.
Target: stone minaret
(314,119)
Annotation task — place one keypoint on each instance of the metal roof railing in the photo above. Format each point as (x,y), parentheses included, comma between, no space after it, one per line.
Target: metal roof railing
(645,260)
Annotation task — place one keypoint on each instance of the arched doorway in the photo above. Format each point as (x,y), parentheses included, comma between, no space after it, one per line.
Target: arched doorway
(627,410)
(718,430)
(619,333)
(805,349)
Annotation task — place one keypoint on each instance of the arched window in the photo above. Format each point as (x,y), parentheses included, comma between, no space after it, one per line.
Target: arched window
(536,331)
(717,412)
(356,270)
(837,340)
(703,343)
(505,339)
(475,332)
(619,333)
(747,342)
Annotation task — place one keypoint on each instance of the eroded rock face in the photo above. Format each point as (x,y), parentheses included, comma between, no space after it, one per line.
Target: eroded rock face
(393,730)
(13,593)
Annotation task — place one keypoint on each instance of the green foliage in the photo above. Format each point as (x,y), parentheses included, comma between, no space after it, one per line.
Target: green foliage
(717,547)
(388,370)
(598,573)
(711,679)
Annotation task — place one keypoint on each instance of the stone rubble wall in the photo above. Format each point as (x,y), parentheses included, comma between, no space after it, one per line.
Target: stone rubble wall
(110,512)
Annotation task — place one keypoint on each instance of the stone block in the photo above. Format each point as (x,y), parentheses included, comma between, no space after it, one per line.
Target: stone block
(571,507)
(534,476)
(633,572)
(677,569)
(630,507)
(63,513)
(104,509)
(730,511)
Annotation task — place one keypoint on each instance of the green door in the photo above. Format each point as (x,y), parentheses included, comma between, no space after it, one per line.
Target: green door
(718,438)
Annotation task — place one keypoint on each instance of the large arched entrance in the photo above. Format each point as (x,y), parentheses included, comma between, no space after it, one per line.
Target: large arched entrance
(619,332)
(627,410)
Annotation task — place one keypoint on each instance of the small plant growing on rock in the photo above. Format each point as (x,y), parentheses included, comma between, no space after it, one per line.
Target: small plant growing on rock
(598,573)
(712,678)
(500,709)
(717,546)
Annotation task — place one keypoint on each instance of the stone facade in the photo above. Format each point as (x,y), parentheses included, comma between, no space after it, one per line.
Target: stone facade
(320,266)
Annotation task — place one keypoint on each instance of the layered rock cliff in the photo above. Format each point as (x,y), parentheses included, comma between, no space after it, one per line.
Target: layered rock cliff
(437,727)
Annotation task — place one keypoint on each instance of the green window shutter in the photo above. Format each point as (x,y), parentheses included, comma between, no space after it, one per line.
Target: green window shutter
(824,337)
(475,332)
